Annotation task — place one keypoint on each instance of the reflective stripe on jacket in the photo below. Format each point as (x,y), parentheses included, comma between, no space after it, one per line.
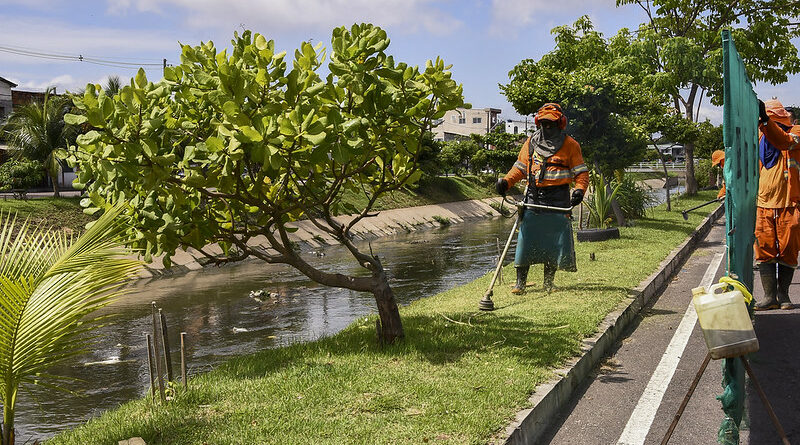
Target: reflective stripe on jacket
(564,167)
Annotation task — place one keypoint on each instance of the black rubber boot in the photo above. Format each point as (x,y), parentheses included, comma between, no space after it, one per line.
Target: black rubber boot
(785,274)
(549,276)
(522,278)
(769,282)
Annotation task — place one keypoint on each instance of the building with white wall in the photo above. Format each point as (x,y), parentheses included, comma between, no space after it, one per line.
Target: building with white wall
(462,122)
(6,103)
(524,126)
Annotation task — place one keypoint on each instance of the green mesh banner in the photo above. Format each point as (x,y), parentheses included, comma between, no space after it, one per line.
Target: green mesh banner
(740,129)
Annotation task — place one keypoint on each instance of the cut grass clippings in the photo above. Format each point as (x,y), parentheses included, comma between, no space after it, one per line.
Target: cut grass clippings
(460,376)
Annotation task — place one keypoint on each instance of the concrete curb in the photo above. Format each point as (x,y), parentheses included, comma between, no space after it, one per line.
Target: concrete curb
(550,397)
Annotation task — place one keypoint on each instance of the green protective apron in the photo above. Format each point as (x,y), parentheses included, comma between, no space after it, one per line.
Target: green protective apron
(545,237)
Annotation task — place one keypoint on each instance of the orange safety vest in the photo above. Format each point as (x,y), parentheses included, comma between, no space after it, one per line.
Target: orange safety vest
(563,167)
(779,186)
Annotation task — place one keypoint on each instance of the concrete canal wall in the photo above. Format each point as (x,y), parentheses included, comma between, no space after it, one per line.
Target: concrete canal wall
(387,222)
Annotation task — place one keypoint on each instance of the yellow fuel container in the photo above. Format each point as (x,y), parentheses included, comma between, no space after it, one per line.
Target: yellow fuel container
(725,321)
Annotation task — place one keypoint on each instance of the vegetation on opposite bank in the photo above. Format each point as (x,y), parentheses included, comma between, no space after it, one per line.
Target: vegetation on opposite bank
(458,377)
(67,214)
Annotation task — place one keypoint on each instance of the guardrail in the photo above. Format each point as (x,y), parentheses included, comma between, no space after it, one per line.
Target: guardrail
(656,165)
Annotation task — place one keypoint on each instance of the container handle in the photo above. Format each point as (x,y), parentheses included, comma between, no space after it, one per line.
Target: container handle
(748,297)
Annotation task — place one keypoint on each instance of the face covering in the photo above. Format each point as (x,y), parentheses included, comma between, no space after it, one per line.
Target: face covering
(547,141)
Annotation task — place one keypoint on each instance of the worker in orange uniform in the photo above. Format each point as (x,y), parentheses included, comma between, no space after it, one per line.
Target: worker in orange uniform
(550,160)
(777,215)
(718,159)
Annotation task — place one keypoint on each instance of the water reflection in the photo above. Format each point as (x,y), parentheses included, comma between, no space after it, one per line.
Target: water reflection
(214,308)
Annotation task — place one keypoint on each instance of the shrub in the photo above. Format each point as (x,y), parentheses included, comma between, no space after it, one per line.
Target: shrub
(633,198)
(703,172)
(20,174)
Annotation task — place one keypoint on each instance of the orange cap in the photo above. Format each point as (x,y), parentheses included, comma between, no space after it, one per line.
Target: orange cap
(549,112)
(718,158)
(777,113)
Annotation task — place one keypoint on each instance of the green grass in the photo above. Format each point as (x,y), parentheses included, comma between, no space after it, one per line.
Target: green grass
(458,377)
(432,191)
(50,213)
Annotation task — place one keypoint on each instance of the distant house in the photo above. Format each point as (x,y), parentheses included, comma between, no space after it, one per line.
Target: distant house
(523,127)
(6,101)
(676,151)
(11,99)
(20,98)
(462,122)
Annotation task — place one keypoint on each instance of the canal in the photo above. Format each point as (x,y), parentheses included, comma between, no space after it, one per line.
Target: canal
(213,306)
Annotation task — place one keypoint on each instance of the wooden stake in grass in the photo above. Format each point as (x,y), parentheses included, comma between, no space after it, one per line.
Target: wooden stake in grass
(165,344)
(150,365)
(157,356)
(183,360)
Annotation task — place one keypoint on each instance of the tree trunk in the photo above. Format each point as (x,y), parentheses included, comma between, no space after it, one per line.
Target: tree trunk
(8,425)
(691,182)
(56,193)
(390,327)
(54,179)
(618,215)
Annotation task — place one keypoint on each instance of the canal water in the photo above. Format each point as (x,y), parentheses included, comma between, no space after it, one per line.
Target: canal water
(221,320)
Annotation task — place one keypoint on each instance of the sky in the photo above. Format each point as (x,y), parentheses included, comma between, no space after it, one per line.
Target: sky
(482,39)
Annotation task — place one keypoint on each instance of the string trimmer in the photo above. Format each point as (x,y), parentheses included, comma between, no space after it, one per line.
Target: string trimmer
(685,212)
(486,304)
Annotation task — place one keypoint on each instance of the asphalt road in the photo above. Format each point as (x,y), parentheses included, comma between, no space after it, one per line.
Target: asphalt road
(634,394)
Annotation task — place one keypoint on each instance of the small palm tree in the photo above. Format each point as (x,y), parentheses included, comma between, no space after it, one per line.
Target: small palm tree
(37,130)
(50,284)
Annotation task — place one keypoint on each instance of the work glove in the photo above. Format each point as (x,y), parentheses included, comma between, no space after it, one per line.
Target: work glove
(501,186)
(762,112)
(577,197)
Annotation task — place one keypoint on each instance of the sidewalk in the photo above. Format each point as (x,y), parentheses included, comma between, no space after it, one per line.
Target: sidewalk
(632,397)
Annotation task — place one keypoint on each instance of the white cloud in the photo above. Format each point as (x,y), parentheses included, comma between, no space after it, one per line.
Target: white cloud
(62,83)
(287,15)
(512,16)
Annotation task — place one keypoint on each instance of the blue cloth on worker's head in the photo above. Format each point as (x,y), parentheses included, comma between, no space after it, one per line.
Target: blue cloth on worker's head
(767,152)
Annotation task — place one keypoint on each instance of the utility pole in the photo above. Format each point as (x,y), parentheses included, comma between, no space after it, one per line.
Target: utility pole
(164,68)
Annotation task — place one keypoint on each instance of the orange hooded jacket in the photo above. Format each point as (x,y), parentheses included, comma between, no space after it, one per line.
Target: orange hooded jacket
(565,166)
(779,186)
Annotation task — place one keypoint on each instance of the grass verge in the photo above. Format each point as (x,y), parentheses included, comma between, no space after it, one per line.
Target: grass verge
(435,190)
(459,376)
(50,213)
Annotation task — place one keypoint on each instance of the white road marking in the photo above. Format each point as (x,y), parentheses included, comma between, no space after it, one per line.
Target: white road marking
(642,417)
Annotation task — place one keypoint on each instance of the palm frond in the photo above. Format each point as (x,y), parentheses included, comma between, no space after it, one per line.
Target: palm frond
(50,284)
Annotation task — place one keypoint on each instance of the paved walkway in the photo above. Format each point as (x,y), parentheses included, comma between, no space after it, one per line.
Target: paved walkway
(633,396)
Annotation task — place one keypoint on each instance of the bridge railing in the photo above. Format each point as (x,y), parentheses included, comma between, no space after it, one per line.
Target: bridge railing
(656,165)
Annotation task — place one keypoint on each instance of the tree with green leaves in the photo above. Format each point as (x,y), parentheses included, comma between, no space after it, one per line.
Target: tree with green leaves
(456,156)
(38,133)
(233,146)
(597,84)
(498,151)
(681,46)
(50,285)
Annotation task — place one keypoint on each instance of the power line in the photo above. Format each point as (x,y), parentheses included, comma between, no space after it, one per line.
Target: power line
(21,51)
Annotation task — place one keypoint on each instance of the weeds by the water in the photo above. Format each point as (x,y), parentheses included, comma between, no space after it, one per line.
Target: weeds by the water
(458,377)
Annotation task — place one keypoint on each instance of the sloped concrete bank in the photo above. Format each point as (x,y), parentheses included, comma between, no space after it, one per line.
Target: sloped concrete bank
(387,222)
(551,397)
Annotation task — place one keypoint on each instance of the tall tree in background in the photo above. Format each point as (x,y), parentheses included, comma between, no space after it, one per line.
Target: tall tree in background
(38,132)
(597,84)
(681,45)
